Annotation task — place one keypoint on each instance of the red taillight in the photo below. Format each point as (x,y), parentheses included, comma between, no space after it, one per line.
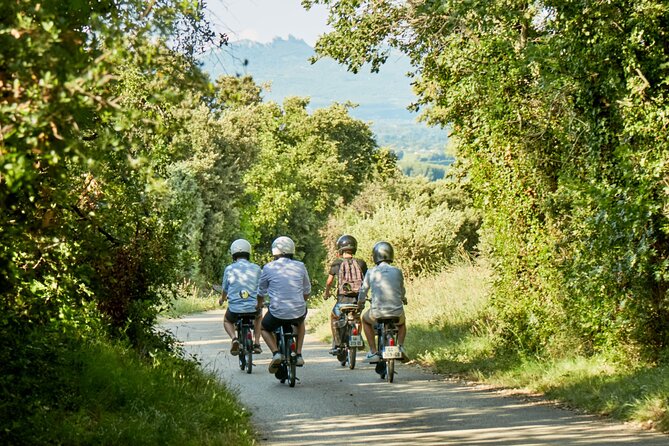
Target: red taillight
(292,346)
(355,331)
(249,335)
(391,342)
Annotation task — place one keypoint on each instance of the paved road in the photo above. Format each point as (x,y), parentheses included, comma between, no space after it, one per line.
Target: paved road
(332,405)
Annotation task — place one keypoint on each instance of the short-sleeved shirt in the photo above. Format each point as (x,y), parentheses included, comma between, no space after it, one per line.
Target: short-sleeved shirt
(385,284)
(286,282)
(334,271)
(240,282)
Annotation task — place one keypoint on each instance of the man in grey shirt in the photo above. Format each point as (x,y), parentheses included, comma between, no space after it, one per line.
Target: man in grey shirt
(286,282)
(386,285)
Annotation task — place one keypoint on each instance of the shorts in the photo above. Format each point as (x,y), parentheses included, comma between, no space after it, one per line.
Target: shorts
(271,323)
(367,317)
(233,317)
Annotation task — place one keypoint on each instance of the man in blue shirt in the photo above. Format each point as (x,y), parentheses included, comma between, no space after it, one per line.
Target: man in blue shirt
(286,282)
(240,289)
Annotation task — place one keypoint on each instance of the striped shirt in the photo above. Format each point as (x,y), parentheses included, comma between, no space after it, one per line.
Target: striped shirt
(286,282)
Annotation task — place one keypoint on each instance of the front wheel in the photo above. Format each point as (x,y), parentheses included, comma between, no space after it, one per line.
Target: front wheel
(292,370)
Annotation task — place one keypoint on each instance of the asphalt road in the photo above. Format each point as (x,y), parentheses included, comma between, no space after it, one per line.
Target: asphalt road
(332,405)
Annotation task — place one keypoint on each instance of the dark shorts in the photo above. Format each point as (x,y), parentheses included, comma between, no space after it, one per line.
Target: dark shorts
(233,317)
(271,323)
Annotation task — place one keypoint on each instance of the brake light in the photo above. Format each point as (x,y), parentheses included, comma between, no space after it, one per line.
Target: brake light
(249,335)
(391,342)
(292,346)
(355,331)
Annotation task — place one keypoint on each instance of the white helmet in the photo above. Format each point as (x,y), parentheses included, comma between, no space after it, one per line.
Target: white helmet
(240,246)
(283,245)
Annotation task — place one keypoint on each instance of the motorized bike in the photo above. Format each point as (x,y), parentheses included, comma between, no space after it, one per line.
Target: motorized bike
(286,341)
(386,333)
(244,329)
(350,338)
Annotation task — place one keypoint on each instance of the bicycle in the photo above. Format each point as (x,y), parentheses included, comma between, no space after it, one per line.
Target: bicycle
(286,342)
(244,328)
(349,335)
(386,332)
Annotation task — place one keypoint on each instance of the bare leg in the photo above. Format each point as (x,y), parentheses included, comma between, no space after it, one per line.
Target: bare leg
(301,330)
(229,329)
(268,336)
(401,333)
(369,334)
(256,330)
(333,327)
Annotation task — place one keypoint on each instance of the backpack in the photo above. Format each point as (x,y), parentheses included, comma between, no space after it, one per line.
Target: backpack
(350,278)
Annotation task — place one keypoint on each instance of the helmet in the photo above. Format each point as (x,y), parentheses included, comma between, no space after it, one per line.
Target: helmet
(382,252)
(347,242)
(240,246)
(283,245)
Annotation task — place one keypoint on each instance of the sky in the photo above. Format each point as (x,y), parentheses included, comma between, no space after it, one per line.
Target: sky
(263,20)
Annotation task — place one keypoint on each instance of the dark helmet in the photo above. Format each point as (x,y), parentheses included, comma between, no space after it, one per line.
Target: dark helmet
(382,252)
(347,243)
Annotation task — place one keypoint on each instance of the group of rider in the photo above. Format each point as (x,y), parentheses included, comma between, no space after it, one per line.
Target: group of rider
(285,281)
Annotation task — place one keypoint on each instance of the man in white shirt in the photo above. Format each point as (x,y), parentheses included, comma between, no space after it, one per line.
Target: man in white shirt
(286,282)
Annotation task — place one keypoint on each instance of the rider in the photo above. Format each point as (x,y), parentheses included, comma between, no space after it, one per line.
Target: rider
(347,246)
(287,284)
(240,285)
(386,285)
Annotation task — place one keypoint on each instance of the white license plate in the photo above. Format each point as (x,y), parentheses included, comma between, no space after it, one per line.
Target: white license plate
(392,352)
(355,341)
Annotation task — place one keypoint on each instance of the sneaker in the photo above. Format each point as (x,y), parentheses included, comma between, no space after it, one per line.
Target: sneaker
(234,349)
(334,351)
(373,358)
(256,349)
(300,361)
(276,361)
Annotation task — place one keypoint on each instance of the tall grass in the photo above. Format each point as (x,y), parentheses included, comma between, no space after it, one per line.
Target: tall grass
(114,397)
(450,331)
(190,298)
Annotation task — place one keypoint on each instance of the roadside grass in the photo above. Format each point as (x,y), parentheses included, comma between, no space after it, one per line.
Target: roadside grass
(190,298)
(448,332)
(114,397)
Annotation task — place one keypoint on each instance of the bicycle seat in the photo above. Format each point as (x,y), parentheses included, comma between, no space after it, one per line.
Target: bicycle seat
(348,307)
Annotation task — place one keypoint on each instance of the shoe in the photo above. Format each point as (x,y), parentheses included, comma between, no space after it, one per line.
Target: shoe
(234,349)
(300,361)
(256,349)
(334,351)
(276,361)
(372,358)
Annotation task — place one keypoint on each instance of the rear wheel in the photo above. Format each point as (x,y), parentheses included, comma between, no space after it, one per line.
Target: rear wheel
(249,355)
(390,371)
(352,351)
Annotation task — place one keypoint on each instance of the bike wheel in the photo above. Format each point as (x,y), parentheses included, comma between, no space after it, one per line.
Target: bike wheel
(352,353)
(390,370)
(249,355)
(292,369)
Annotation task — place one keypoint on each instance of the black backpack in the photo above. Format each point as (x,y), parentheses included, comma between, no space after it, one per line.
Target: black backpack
(350,278)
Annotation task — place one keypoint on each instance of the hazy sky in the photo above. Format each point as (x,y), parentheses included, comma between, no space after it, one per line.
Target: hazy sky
(262,20)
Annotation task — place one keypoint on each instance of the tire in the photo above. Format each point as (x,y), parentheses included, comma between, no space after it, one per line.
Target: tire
(292,369)
(390,372)
(249,356)
(352,352)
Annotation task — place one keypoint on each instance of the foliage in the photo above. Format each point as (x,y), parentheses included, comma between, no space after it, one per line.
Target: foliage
(429,224)
(559,110)
(102,393)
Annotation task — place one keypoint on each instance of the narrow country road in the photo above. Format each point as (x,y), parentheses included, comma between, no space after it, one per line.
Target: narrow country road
(332,405)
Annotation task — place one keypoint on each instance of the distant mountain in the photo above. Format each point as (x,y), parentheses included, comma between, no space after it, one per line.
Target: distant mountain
(382,97)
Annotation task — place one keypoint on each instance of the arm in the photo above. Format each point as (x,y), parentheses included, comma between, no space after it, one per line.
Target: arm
(364,289)
(328,285)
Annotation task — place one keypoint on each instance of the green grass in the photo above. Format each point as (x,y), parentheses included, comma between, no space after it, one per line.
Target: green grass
(191,299)
(448,332)
(113,397)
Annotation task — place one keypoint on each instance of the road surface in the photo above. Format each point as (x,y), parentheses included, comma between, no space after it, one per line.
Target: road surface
(332,405)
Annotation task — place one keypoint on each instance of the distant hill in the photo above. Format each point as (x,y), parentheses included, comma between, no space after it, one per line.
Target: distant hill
(382,97)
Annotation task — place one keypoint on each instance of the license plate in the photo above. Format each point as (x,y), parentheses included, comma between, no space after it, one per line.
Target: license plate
(392,352)
(355,341)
